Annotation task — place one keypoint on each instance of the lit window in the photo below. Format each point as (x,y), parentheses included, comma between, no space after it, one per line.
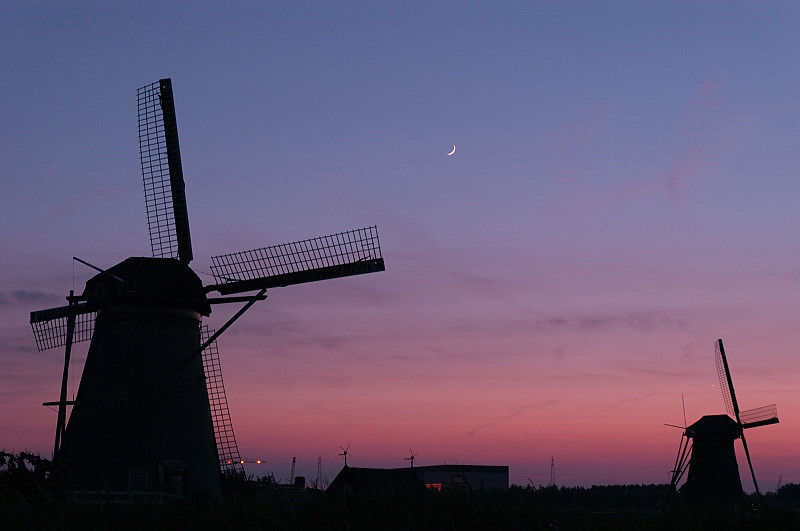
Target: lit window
(434,486)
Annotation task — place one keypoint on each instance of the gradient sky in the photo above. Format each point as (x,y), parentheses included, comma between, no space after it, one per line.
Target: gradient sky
(623,194)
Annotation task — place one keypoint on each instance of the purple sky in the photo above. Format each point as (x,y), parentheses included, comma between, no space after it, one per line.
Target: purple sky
(623,194)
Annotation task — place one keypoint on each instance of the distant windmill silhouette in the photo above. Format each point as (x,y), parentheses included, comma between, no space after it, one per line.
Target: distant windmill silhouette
(707,445)
(151,413)
(411,458)
(345,453)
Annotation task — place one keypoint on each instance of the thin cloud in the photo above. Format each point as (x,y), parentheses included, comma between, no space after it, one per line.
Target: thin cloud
(35,296)
(515,413)
(281,332)
(707,138)
(662,375)
(697,150)
(432,260)
(99,196)
(642,321)
(578,136)
(50,169)
(635,398)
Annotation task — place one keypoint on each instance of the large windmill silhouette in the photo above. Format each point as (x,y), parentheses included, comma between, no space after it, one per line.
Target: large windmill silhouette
(707,445)
(151,413)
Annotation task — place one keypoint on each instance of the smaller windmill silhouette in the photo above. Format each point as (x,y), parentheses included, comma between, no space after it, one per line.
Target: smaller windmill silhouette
(345,453)
(411,457)
(706,448)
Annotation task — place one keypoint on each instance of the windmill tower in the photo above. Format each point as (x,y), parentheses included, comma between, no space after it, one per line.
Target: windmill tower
(142,418)
(707,446)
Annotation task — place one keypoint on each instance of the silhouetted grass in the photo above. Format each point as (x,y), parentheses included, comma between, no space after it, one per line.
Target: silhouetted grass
(28,500)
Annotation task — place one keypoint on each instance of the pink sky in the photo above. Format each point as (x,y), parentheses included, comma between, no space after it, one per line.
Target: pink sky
(623,194)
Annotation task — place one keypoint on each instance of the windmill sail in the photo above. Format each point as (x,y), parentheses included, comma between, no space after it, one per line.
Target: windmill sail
(747,419)
(230,461)
(725,382)
(162,173)
(337,255)
(50,326)
(760,416)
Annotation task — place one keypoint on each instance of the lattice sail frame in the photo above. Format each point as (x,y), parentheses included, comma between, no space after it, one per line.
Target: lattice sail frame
(759,416)
(162,173)
(335,255)
(230,462)
(50,326)
(723,380)
(749,418)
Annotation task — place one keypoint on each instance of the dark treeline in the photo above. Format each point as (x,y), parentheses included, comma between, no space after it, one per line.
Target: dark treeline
(29,499)
(596,497)
(637,497)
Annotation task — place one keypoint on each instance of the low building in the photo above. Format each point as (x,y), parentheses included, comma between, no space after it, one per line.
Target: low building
(463,477)
(397,482)
(405,481)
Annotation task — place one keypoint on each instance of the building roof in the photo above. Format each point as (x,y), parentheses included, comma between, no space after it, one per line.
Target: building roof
(496,469)
(378,481)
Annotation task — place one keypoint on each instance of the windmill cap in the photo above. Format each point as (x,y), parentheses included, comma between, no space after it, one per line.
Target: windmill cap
(715,426)
(149,282)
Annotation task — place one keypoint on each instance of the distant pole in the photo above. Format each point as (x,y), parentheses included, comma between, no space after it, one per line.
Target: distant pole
(319,472)
(552,472)
(291,478)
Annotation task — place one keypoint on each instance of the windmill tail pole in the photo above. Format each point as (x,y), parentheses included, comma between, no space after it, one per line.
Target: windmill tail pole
(84,262)
(62,402)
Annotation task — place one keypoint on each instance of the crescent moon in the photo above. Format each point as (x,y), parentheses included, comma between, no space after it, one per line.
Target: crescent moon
(452,152)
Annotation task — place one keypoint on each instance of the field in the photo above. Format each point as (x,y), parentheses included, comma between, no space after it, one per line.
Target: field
(29,500)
